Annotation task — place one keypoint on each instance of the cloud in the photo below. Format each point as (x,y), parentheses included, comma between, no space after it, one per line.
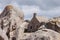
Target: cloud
(48,8)
(29,10)
(43,4)
(51,13)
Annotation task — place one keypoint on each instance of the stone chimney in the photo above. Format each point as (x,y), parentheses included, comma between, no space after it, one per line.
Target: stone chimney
(34,15)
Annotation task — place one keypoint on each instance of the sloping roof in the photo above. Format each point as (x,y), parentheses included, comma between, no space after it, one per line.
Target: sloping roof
(42,19)
(55,19)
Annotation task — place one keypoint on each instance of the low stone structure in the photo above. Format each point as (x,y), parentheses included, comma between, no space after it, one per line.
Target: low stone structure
(36,22)
(54,24)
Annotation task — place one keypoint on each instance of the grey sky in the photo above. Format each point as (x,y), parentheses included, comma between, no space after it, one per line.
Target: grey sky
(48,8)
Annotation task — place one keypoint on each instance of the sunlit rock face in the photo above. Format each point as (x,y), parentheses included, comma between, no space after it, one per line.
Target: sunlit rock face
(10,20)
(10,9)
(44,34)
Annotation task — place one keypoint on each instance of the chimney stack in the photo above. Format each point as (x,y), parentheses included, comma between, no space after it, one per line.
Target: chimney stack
(34,15)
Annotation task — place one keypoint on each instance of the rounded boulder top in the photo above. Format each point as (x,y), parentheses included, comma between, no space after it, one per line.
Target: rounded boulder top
(8,7)
(14,10)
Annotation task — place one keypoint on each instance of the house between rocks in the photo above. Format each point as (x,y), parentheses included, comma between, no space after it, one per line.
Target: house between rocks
(36,22)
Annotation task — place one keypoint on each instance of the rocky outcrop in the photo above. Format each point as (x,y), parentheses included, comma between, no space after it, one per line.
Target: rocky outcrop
(54,24)
(13,26)
(10,20)
(3,35)
(21,30)
(44,34)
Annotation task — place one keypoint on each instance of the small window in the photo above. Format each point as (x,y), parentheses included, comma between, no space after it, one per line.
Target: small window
(36,25)
(26,30)
(13,38)
(30,27)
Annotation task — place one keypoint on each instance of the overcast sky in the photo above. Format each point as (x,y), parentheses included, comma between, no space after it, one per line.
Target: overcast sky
(49,8)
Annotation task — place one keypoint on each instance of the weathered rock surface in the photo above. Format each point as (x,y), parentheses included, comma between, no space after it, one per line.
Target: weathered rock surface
(21,30)
(13,26)
(10,20)
(54,24)
(44,34)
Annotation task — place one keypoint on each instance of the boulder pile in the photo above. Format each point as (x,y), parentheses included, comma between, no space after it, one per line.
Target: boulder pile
(14,27)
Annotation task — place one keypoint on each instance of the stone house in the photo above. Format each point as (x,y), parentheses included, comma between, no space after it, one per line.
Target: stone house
(36,22)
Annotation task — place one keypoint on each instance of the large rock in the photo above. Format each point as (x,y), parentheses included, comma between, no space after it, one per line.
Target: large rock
(44,34)
(10,20)
(21,30)
(54,24)
(3,35)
